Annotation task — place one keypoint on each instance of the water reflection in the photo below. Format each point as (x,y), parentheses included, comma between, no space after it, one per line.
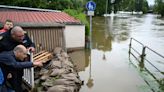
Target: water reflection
(101,35)
(82,59)
(114,28)
(90,79)
(119,27)
(110,43)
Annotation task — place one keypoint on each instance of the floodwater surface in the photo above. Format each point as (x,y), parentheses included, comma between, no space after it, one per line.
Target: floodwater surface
(107,67)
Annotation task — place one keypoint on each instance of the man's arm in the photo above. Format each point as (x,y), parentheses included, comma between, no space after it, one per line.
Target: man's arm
(10,61)
(29,44)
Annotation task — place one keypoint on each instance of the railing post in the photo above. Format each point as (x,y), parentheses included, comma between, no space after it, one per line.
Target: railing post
(141,63)
(32,69)
(32,72)
(130,45)
(143,54)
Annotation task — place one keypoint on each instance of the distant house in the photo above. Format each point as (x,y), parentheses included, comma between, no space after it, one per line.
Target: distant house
(49,28)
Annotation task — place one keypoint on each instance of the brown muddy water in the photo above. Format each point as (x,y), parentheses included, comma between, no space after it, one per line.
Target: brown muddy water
(107,67)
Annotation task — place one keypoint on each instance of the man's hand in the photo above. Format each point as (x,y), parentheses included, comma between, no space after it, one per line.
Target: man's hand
(37,64)
(31,49)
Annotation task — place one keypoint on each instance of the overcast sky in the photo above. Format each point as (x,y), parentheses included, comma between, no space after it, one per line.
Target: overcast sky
(151,2)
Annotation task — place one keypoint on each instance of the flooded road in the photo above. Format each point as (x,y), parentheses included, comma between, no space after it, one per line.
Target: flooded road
(107,66)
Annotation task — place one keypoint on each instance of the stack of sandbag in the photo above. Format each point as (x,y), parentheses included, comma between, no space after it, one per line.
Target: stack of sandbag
(59,75)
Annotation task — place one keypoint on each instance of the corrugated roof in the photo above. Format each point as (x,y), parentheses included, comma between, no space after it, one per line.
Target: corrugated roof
(27,8)
(37,17)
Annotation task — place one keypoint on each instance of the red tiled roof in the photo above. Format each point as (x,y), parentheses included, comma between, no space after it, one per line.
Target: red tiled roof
(37,17)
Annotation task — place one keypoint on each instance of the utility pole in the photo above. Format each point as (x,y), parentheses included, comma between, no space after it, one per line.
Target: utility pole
(91,6)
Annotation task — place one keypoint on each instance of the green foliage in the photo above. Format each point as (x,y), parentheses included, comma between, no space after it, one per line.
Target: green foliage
(131,5)
(6,2)
(161,81)
(100,7)
(25,3)
(145,7)
(134,5)
(159,7)
(50,4)
(60,4)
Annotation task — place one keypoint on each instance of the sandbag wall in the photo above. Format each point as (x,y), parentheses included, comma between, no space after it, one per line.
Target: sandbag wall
(58,75)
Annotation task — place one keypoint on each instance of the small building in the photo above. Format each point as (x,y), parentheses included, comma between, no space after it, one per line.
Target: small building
(48,28)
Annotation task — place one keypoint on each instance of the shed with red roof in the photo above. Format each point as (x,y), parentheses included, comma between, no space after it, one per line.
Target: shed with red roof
(49,28)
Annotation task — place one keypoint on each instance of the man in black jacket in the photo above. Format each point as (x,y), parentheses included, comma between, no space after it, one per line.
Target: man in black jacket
(14,37)
(11,62)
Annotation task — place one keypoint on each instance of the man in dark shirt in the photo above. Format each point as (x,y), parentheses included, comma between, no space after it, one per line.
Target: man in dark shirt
(14,37)
(9,40)
(10,63)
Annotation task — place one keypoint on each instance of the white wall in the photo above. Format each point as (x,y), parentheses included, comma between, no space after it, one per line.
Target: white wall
(75,36)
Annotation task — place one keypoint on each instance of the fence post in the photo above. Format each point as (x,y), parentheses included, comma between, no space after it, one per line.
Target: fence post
(32,72)
(143,54)
(32,69)
(141,63)
(130,45)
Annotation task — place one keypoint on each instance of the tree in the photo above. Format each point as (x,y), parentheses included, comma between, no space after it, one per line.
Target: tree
(145,7)
(159,7)
(100,7)
(131,6)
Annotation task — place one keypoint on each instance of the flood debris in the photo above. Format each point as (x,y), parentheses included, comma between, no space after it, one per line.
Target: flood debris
(58,75)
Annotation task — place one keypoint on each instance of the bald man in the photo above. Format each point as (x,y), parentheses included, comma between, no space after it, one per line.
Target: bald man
(11,62)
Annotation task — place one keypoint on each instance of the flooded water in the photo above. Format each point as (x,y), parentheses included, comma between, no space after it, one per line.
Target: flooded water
(107,67)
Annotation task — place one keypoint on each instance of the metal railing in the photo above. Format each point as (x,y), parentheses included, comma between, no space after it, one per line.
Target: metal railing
(140,56)
(29,74)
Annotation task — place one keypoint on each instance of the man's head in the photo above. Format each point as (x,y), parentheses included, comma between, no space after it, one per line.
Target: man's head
(17,33)
(8,24)
(20,52)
